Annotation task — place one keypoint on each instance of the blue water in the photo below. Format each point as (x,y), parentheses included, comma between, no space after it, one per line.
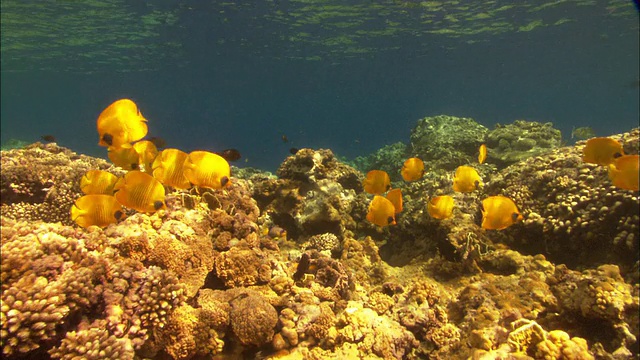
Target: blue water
(214,79)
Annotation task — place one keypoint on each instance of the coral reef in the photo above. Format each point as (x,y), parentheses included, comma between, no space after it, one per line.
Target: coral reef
(216,276)
(389,158)
(511,143)
(313,195)
(446,142)
(42,181)
(14,144)
(573,213)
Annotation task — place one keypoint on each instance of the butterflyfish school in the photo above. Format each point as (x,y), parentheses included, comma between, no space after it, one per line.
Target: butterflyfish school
(499,212)
(466,179)
(381,211)
(147,152)
(482,153)
(412,169)
(440,207)
(168,168)
(121,124)
(376,182)
(98,182)
(96,209)
(601,151)
(395,196)
(624,172)
(140,191)
(124,157)
(207,170)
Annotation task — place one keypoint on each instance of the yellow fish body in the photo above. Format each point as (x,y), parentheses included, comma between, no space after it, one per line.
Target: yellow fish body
(440,207)
(376,182)
(98,182)
(140,191)
(121,124)
(601,151)
(381,211)
(395,196)
(168,168)
(482,153)
(623,172)
(124,157)
(412,169)
(206,169)
(147,152)
(96,209)
(499,212)
(466,179)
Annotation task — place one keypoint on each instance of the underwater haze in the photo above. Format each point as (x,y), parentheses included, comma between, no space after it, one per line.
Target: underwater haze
(351,76)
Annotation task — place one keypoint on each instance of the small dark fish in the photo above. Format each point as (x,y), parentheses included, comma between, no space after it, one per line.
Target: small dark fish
(277,232)
(285,139)
(158,142)
(293,151)
(48,138)
(303,266)
(230,154)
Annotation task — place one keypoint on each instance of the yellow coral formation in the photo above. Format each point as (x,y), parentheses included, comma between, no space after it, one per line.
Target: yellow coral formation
(31,309)
(189,332)
(144,287)
(253,319)
(92,344)
(559,345)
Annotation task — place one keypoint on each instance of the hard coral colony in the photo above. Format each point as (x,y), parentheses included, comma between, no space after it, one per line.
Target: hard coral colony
(174,259)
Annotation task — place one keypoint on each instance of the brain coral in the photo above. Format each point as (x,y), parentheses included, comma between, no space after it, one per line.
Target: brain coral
(253,319)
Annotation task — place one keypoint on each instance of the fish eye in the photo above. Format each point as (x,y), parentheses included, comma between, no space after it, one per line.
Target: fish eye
(476,183)
(158,204)
(616,155)
(390,220)
(388,186)
(134,166)
(515,216)
(224,180)
(108,138)
(118,215)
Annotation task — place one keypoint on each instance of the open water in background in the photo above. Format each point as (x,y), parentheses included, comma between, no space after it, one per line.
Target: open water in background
(214,76)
